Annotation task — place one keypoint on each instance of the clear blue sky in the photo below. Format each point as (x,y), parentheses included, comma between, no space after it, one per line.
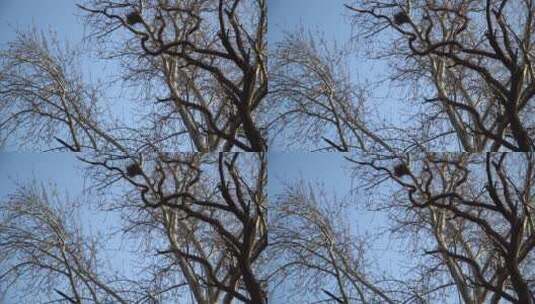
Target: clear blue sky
(48,168)
(326,16)
(57,14)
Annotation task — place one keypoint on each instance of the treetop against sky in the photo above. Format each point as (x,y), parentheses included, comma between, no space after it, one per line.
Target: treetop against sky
(165,151)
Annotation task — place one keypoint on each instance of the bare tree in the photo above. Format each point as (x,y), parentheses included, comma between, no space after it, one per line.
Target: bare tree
(321,255)
(201,218)
(208,209)
(208,54)
(466,65)
(42,97)
(478,211)
(467,219)
(207,57)
(316,98)
(477,57)
(43,247)
(319,106)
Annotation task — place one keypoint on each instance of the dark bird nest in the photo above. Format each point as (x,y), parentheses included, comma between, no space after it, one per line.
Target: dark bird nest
(401,170)
(133,18)
(500,118)
(133,170)
(401,18)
